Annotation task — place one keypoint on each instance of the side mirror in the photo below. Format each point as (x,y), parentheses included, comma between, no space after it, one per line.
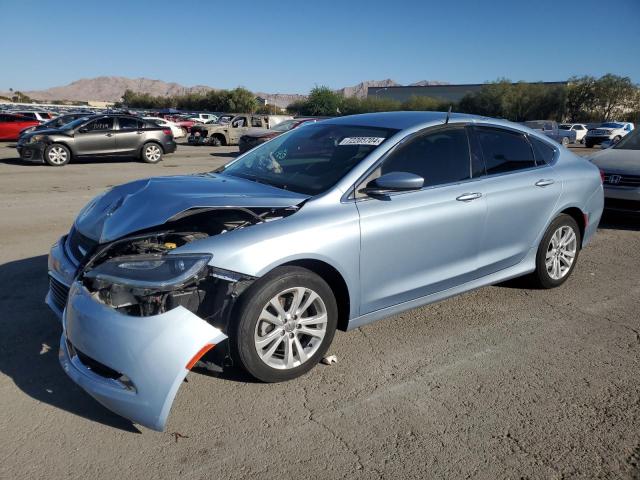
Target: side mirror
(83,130)
(393,182)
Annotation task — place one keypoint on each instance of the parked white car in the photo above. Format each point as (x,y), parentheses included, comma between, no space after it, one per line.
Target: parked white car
(579,128)
(36,115)
(177,130)
(611,132)
(204,117)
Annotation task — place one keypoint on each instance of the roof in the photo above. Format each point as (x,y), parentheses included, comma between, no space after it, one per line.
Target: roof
(397,120)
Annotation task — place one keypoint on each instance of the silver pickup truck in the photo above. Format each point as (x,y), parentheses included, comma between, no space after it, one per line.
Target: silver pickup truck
(229,133)
(551,130)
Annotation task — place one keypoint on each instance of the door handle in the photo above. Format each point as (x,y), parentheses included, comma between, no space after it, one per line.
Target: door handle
(467,197)
(544,183)
(108,135)
(139,132)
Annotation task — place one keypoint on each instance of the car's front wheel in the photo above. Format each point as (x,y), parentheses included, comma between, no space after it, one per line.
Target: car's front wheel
(565,141)
(557,253)
(57,155)
(151,153)
(284,324)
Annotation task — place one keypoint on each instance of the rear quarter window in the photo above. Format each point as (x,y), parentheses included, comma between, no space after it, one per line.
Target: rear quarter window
(543,152)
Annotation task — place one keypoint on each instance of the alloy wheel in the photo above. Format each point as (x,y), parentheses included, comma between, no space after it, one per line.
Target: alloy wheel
(561,252)
(57,155)
(290,328)
(153,153)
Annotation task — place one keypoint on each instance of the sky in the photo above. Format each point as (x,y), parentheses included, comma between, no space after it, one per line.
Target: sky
(291,46)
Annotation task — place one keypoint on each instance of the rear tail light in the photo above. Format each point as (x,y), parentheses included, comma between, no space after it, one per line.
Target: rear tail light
(601,176)
(166,131)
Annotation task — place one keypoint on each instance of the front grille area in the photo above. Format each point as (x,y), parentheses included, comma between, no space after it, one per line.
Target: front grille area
(59,293)
(622,180)
(79,246)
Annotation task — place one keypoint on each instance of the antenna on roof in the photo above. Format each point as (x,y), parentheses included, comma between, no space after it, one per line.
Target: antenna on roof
(446,120)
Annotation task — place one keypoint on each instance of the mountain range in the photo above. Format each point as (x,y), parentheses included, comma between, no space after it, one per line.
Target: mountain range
(111,89)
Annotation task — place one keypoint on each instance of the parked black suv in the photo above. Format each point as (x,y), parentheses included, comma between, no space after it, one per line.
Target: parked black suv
(96,136)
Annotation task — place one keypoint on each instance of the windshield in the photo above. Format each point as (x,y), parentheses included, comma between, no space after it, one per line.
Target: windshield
(308,160)
(629,142)
(285,126)
(611,125)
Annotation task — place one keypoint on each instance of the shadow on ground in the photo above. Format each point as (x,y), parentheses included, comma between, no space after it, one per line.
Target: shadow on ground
(620,221)
(29,344)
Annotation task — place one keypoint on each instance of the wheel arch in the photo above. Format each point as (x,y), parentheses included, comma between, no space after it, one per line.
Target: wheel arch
(222,137)
(336,282)
(579,216)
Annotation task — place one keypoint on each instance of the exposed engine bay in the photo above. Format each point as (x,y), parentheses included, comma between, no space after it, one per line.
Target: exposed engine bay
(138,275)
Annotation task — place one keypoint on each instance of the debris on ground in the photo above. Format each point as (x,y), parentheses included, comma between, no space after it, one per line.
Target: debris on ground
(178,435)
(329,360)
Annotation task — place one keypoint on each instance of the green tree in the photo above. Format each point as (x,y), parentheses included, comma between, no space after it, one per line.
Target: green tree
(323,101)
(614,95)
(581,98)
(419,103)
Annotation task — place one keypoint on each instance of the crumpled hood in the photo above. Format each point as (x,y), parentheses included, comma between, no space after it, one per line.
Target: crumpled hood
(618,160)
(147,203)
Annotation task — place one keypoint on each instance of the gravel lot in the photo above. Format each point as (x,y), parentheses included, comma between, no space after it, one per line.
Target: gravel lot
(503,382)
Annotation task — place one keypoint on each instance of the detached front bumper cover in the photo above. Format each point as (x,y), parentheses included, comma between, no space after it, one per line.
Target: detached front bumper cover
(153,353)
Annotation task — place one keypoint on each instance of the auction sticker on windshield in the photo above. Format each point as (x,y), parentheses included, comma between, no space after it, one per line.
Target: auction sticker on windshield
(361,141)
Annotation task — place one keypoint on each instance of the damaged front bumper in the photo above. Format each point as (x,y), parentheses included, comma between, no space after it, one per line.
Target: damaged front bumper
(132,365)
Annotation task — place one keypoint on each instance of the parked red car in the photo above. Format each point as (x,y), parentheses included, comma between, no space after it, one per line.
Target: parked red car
(10,125)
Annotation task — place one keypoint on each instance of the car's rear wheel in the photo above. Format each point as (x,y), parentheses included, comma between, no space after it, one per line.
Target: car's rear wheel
(216,141)
(151,153)
(565,141)
(557,253)
(284,324)
(57,155)
(616,139)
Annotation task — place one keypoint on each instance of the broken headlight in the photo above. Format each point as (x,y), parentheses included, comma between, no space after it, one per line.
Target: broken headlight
(157,272)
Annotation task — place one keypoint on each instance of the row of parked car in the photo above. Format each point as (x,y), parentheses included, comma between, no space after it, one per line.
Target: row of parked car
(604,134)
(76,135)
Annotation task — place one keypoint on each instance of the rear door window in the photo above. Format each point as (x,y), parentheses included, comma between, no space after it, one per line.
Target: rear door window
(128,123)
(504,150)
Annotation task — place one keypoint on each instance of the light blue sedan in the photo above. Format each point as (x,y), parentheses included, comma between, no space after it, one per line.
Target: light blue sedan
(326,227)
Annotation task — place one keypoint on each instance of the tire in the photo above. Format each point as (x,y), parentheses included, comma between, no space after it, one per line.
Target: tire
(546,275)
(588,144)
(215,141)
(151,153)
(57,155)
(565,142)
(257,326)
(616,139)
